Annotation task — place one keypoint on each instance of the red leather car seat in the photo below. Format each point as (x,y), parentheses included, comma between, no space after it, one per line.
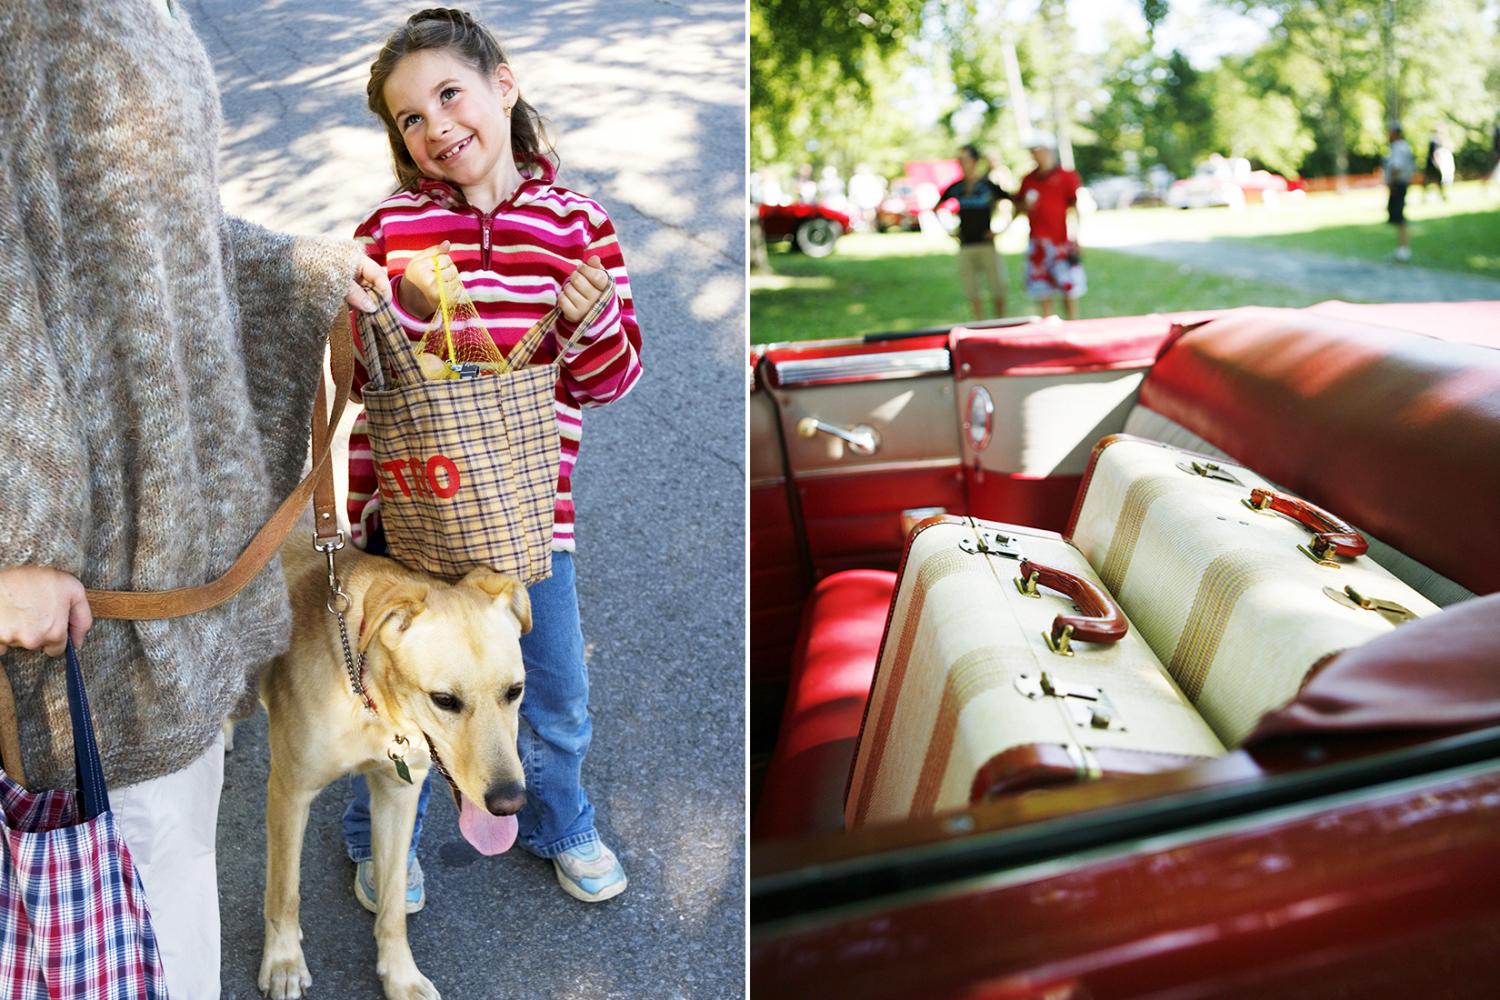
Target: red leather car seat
(832,668)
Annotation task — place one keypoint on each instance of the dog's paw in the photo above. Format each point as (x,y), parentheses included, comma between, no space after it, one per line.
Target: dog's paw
(284,978)
(415,987)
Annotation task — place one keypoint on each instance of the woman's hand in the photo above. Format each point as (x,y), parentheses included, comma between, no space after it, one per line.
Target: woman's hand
(419,283)
(368,276)
(583,288)
(40,607)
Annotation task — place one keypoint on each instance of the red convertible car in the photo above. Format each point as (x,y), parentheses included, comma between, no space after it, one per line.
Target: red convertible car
(1348,846)
(812,229)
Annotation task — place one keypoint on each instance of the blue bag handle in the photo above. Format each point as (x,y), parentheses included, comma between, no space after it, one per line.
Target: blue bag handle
(93,795)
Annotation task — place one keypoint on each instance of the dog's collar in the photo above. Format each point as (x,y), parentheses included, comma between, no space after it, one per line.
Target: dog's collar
(356,667)
(437,762)
(356,670)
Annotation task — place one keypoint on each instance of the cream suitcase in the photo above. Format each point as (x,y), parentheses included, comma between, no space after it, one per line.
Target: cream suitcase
(982,688)
(1240,603)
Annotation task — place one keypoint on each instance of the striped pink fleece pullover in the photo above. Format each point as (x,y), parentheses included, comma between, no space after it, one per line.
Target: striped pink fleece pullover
(513,262)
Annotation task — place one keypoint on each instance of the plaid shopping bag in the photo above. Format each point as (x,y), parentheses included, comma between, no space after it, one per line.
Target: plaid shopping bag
(73,917)
(467,466)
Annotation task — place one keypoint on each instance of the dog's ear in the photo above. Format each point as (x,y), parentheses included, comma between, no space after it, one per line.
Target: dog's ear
(394,602)
(502,586)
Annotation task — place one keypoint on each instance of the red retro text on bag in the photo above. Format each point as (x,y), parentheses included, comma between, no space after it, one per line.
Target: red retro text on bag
(437,476)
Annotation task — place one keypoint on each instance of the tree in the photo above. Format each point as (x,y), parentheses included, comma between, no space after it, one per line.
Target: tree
(806,55)
(1340,40)
(1449,74)
(1180,128)
(1121,104)
(1248,122)
(1354,66)
(973,41)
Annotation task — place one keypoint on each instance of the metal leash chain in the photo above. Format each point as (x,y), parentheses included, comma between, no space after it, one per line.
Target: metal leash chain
(338,604)
(354,669)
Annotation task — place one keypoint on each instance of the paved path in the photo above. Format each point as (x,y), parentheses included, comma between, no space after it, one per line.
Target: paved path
(646,98)
(1333,277)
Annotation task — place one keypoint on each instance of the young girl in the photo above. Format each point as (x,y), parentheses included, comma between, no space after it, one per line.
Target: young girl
(477,194)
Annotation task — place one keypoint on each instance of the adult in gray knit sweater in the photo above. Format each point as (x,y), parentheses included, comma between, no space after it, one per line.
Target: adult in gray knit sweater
(157,365)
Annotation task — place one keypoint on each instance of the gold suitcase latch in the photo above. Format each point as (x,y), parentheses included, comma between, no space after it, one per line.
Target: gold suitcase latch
(1088,705)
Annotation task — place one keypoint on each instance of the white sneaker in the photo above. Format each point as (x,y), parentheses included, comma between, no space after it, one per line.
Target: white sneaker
(364,886)
(1403,254)
(590,872)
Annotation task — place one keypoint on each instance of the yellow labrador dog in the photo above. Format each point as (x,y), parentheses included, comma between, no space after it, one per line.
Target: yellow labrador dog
(441,666)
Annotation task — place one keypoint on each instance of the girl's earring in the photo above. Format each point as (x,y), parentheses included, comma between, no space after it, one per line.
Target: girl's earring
(507,110)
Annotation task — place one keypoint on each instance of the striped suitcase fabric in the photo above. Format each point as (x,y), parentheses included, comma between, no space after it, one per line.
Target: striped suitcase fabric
(959,697)
(1237,610)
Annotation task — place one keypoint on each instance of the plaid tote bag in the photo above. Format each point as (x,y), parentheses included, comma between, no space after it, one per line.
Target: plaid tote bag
(467,465)
(73,917)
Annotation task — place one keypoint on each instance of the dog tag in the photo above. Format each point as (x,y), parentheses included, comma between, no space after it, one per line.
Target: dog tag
(402,771)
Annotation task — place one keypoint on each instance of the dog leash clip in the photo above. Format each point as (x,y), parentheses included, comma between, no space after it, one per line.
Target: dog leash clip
(338,601)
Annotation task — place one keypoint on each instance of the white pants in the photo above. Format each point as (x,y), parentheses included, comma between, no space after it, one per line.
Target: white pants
(170,825)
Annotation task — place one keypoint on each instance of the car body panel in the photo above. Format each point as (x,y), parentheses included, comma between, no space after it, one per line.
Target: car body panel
(1221,181)
(1286,904)
(780,222)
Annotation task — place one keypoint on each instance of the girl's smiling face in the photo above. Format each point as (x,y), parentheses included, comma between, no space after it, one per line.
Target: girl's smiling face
(453,122)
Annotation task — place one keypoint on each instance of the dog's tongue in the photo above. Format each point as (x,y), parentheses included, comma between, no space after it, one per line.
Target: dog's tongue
(488,833)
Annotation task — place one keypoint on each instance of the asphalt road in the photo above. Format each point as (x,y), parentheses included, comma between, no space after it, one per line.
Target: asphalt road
(646,100)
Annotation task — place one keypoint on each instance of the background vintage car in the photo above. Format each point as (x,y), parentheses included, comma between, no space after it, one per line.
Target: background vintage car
(1357,859)
(1229,182)
(1126,191)
(812,229)
(913,197)
(901,208)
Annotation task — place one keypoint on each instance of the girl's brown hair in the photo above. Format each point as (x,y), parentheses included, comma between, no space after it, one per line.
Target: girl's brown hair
(455,30)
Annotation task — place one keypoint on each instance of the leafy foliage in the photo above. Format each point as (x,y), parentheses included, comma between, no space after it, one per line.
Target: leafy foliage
(880,82)
(1259,125)
(807,56)
(1353,66)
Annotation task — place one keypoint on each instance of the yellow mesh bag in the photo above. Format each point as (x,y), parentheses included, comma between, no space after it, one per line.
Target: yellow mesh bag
(457,345)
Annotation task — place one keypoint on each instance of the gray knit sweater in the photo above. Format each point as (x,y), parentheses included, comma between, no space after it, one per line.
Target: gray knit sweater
(157,365)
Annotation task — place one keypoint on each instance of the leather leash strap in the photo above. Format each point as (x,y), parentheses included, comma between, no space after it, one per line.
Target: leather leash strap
(142,605)
(318,484)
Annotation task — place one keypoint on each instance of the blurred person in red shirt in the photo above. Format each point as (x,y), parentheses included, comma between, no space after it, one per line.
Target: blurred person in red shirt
(1053,264)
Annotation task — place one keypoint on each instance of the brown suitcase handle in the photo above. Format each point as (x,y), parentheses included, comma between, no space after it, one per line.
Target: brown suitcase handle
(1100,618)
(155,604)
(1330,535)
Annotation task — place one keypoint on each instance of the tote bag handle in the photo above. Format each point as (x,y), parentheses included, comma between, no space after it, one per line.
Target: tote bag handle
(93,795)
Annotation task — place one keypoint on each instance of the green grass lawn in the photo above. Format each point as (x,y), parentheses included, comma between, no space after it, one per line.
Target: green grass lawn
(904,281)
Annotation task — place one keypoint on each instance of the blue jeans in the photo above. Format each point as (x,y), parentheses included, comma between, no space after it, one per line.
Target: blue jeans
(555,731)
